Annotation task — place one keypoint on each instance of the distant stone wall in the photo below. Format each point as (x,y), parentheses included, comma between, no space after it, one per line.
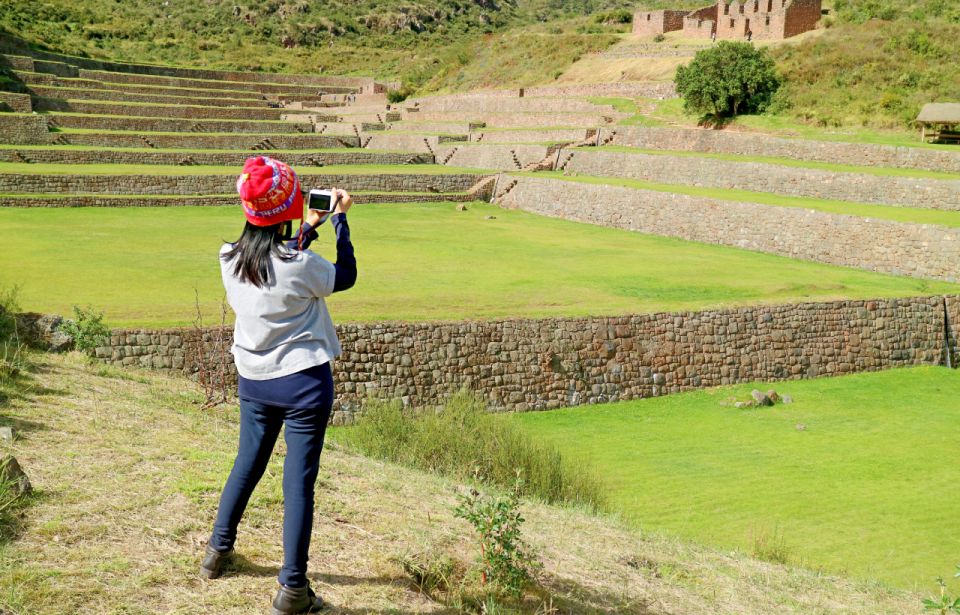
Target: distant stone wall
(17,62)
(13,183)
(60,69)
(298,159)
(24,129)
(762,177)
(521,119)
(73,93)
(650,23)
(542,364)
(148,124)
(18,103)
(918,250)
(629,89)
(493,156)
(168,110)
(202,84)
(560,135)
(527,104)
(750,144)
(260,142)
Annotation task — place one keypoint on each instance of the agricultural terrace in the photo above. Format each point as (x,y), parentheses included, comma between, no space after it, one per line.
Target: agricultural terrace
(117,189)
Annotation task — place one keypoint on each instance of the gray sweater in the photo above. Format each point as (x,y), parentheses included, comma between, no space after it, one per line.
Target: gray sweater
(283,327)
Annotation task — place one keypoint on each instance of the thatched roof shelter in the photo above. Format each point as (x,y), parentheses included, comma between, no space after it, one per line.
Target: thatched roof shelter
(940,113)
(943,120)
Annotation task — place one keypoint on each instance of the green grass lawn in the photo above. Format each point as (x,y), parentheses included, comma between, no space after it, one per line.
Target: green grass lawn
(868,486)
(790,162)
(172,169)
(274,152)
(417,262)
(914,215)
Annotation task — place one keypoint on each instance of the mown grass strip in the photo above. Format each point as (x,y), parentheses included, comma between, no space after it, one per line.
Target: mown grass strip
(849,477)
(913,215)
(418,261)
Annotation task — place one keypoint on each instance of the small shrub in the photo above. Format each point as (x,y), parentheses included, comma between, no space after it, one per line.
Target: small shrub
(462,439)
(659,38)
(771,546)
(399,95)
(728,79)
(507,561)
(944,604)
(87,329)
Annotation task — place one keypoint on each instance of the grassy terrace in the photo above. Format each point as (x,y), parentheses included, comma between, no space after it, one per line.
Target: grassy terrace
(81,83)
(133,103)
(163,169)
(790,162)
(914,215)
(417,262)
(850,477)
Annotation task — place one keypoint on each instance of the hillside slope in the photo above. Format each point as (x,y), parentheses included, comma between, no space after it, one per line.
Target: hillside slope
(129,471)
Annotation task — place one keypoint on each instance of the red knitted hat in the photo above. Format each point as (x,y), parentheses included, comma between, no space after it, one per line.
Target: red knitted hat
(269,192)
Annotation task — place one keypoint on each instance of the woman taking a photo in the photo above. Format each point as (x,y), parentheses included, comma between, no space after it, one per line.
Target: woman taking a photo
(284,346)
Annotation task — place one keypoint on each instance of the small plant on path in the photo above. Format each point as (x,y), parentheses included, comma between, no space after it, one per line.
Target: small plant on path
(507,561)
(945,604)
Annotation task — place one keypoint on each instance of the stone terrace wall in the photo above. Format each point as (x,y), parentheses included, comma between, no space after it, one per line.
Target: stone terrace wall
(543,364)
(223,184)
(561,135)
(182,82)
(919,250)
(208,141)
(506,105)
(762,145)
(761,177)
(24,129)
(492,156)
(629,89)
(166,110)
(150,124)
(18,103)
(17,62)
(73,93)
(298,159)
(519,119)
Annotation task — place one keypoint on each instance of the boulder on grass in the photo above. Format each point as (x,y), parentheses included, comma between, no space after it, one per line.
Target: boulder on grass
(11,472)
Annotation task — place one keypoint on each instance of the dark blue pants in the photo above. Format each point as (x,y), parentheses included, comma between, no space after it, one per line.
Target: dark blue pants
(259,427)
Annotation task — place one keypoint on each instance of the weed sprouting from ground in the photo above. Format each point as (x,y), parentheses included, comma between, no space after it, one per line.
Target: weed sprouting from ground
(210,355)
(461,439)
(770,546)
(945,604)
(507,562)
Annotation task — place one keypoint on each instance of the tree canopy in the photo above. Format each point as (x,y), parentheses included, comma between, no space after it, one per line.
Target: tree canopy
(727,79)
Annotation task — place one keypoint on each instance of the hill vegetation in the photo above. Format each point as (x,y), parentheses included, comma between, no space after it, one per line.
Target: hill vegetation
(875,66)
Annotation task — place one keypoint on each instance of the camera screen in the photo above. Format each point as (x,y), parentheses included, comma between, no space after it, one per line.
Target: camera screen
(320,201)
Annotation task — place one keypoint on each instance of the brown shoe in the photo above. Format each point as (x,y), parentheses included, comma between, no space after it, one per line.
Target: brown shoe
(213,561)
(296,600)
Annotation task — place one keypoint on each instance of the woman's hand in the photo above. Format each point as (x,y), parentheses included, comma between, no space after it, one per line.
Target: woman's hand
(313,218)
(344,203)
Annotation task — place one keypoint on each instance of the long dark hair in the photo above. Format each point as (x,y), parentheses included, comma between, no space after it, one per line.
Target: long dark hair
(254,249)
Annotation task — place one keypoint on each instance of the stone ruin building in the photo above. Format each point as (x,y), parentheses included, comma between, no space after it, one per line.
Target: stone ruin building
(761,19)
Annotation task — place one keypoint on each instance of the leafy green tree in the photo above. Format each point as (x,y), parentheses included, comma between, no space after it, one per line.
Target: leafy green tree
(727,79)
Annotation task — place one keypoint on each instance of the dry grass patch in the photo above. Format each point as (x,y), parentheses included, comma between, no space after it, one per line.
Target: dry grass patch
(128,473)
